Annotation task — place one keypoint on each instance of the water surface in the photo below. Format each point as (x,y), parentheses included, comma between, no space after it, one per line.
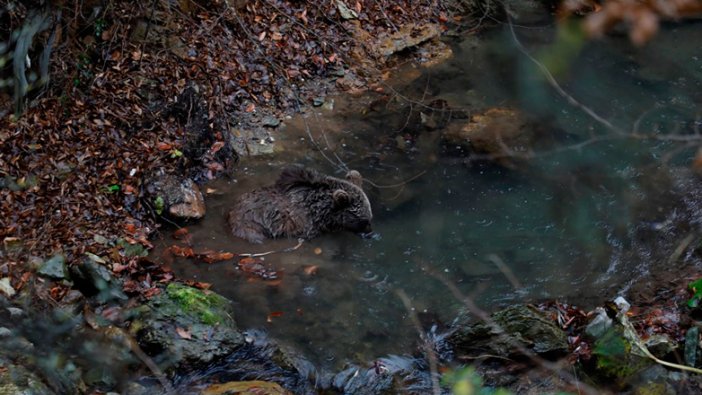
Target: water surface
(592,214)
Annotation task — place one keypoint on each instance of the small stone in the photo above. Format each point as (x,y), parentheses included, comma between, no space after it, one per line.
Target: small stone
(622,304)
(54,268)
(328,105)
(340,72)
(6,287)
(599,325)
(270,121)
(317,101)
(4,332)
(15,312)
(95,258)
(100,239)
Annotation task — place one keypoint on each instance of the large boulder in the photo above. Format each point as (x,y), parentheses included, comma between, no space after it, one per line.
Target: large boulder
(185,326)
(515,326)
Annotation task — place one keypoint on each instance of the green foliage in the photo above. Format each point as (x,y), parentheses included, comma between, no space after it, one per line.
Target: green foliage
(466,381)
(111,188)
(159,205)
(558,56)
(614,355)
(100,26)
(696,288)
(175,153)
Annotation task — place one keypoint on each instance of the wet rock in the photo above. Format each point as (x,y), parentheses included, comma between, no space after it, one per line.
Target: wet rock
(692,338)
(270,121)
(185,327)
(263,359)
(660,345)
(599,325)
(652,380)
(95,280)
(178,197)
(245,387)
(501,134)
(613,356)
(55,268)
(521,324)
(252,141)
(390,375)
(17,380)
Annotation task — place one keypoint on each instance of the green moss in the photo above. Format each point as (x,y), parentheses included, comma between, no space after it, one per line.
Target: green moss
(200,303)
(614,357)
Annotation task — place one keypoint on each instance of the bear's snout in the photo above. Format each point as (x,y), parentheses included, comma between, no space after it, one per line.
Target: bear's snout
(361,227)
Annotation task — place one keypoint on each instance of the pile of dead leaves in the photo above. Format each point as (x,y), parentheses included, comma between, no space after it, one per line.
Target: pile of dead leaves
(74,166)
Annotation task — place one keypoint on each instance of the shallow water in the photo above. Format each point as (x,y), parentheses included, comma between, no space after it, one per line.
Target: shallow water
(580,222)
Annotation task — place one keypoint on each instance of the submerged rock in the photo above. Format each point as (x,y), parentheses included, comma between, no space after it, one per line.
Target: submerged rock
(390,375)
(500,134)
(178,197)
(517,325)
(186,326)
(245,387)
(252,141)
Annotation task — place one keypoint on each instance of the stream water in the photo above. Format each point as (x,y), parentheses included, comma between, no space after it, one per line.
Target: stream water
(593,214)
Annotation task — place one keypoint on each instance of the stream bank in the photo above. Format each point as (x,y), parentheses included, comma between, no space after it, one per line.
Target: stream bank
(475,135)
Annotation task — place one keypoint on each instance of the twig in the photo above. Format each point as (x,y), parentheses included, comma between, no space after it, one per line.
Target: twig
(505,270)
(299,244)
(400,184)
(426,345)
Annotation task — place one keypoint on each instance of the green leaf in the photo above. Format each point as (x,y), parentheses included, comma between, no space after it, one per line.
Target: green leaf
(176,153)
(112,188)
(696,287)
(159,205)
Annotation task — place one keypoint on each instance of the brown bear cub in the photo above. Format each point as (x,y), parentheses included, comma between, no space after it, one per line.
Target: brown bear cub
(302,204)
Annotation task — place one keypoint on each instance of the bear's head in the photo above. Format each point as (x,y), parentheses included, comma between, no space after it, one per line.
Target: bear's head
(333,203)
(351,204)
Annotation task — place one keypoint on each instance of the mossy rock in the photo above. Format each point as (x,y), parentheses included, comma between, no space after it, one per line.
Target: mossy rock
(614,358)
(210,307)
(185,326)
(521,324)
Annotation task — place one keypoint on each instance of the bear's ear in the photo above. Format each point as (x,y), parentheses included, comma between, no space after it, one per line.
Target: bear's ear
(341,198)
(355,178)
(297,176)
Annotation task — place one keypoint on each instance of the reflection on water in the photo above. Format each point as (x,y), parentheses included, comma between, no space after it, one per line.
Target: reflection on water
(573,224)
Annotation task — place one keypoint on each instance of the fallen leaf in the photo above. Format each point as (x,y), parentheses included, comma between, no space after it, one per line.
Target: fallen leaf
(214,256)
(273,314)
(185,252)
(181,234)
